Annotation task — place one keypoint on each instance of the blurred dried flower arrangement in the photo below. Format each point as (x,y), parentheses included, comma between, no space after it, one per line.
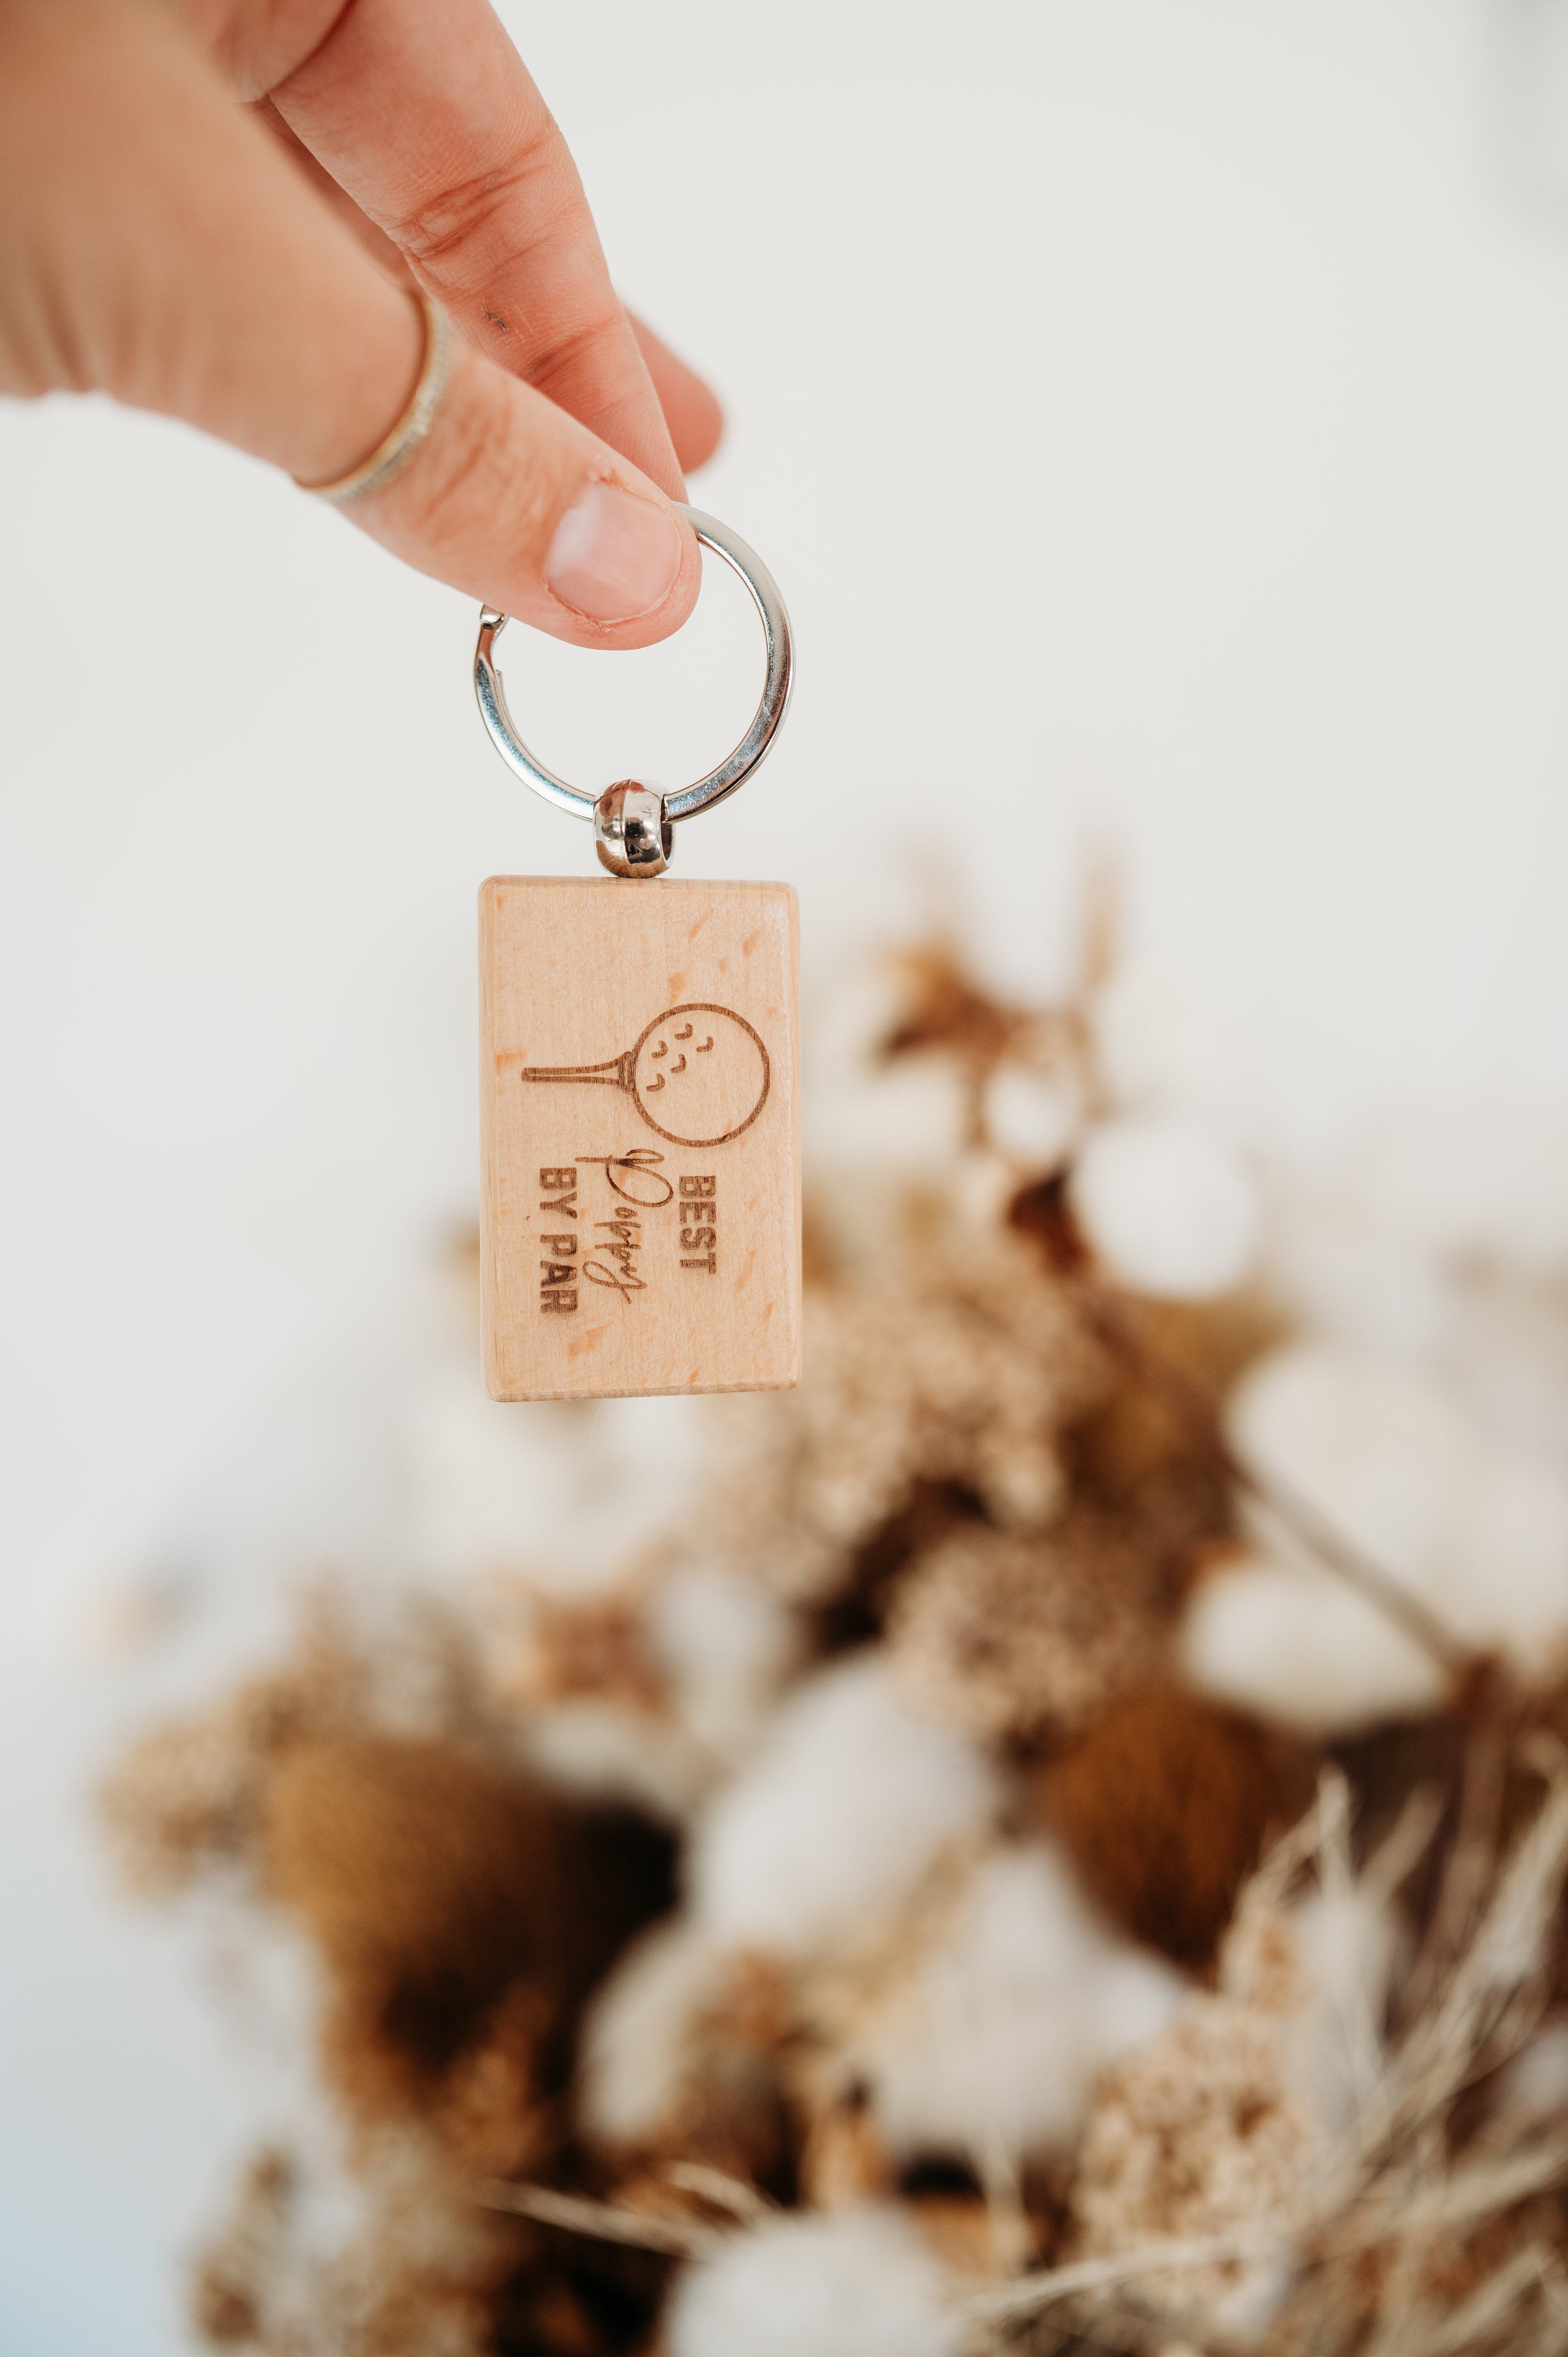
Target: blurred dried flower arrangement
(1058,1842)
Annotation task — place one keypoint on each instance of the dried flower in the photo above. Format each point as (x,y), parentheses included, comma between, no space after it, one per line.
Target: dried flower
(1200,2134)
(898,1997)
(862,2283)
(960,1369)
(1004,1635)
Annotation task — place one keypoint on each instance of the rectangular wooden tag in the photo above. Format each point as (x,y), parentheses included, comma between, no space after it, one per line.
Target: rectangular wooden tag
(639,1085)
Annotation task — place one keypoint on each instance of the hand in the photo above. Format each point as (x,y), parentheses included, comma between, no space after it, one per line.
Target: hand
(205,208)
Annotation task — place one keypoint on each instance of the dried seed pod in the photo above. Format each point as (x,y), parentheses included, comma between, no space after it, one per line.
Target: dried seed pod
(964,1367)
(1164,1805)
(1008,1636)
(1198,2134)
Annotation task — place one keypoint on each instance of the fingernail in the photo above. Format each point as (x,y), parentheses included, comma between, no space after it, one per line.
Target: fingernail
(613,557)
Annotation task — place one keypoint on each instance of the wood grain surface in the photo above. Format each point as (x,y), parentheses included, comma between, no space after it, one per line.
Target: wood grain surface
(638,1087)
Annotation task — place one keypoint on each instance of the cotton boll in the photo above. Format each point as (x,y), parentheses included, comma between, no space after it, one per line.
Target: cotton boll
(1031,1120)
(1382,1454)
(567,1490)
(848,1804)
(1471,1524)
(1438,1225)
(637,2040)
(1136,1995)
(1368,1287)
(859,2284)
(852,1007)
(989,2042)
(1300,1648)
(726,1644)
(901,1126)
(909,1115)
(1442,1246)
(1170,1209)
(679,2057)
(1506,1582)
(1155,1048)
(604,1751)
(1505,1355)
(906,1116)
(581,1684)
(870,1126)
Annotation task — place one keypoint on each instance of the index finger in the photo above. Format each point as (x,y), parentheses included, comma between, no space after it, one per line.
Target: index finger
(431,122)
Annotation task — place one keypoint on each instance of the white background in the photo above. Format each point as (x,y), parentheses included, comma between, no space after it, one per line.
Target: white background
(1155,413)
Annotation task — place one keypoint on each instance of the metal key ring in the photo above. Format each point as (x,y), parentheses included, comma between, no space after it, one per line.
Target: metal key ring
(731,772)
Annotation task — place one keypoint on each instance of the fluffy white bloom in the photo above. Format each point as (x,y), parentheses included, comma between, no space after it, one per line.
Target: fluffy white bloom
(858,2283)
(1439,1245)
(1470,1524)
(867,1140)
(726,1645)
(599,1747)
(1290,1642)
(990,2042)
(861,1112)
(637,2037)
(847,1803)
(1404,1472)
(1157,1051)
(1169,1207)
(566,1490)
(1029,1118)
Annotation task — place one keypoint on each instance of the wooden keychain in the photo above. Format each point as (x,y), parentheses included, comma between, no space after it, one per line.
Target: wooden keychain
(639,1087)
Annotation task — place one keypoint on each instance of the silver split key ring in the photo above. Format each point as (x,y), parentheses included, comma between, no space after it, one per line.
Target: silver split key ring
(632,822)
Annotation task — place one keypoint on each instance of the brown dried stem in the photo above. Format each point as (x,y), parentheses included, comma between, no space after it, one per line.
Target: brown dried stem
(602,2222)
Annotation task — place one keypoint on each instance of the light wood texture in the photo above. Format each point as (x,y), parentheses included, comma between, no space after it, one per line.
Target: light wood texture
(639,1094)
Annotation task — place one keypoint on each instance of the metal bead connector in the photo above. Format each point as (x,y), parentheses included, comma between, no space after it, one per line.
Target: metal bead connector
(632,833)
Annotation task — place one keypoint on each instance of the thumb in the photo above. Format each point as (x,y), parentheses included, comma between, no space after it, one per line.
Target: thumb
(513,501)
(156,244)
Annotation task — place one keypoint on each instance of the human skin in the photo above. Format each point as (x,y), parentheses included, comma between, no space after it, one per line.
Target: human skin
(206,208)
